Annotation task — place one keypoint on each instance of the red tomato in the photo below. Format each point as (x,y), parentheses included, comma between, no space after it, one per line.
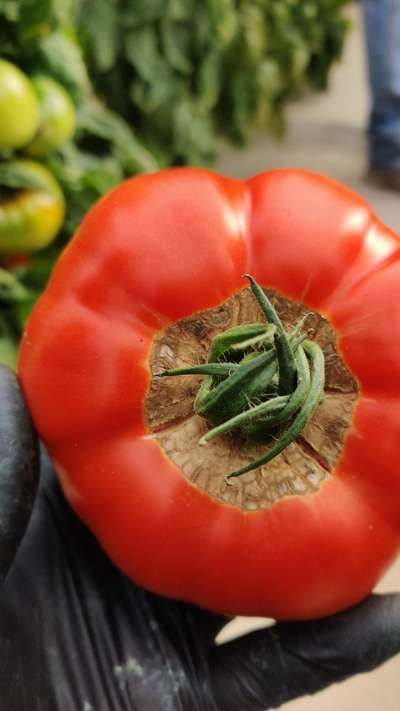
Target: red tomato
(157,249)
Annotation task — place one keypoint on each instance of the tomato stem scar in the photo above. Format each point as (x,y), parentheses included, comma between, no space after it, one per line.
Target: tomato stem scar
(259,378)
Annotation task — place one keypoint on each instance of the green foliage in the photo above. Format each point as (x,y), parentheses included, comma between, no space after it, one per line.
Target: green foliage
(192,71)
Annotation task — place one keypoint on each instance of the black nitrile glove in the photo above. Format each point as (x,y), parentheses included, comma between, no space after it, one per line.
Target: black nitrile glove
(77,635)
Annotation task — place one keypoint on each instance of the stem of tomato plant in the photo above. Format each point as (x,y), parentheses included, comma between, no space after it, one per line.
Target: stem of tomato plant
(259,377)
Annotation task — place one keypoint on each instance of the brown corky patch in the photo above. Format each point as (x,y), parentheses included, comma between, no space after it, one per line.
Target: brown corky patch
(302,467)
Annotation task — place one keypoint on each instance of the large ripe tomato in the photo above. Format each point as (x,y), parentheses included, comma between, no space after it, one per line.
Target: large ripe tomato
(151,256)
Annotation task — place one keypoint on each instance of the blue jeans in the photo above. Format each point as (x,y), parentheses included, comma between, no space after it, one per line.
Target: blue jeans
(382,30)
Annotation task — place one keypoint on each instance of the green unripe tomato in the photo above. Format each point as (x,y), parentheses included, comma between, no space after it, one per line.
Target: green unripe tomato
(57,117)
(19,107)
(30,218)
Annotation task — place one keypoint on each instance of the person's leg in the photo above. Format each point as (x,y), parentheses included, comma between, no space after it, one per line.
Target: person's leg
(382,31)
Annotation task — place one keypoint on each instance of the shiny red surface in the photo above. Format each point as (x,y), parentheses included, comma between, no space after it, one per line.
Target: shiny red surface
(156,249)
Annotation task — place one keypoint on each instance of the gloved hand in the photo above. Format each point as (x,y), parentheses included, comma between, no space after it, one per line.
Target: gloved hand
(76,635)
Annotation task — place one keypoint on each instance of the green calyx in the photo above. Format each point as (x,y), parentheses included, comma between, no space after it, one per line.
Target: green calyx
(262,381)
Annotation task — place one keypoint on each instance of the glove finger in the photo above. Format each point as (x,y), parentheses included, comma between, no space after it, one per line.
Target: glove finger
(265,669)
(19,468)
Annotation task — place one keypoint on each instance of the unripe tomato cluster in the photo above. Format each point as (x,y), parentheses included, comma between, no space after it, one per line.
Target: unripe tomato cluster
(37,117)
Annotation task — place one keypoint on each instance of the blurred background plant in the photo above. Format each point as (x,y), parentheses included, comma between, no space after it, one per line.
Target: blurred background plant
(154,83)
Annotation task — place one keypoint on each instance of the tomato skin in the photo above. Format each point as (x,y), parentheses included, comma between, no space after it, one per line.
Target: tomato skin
(300,559)
(57,117)
(19,107)
(159,248)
